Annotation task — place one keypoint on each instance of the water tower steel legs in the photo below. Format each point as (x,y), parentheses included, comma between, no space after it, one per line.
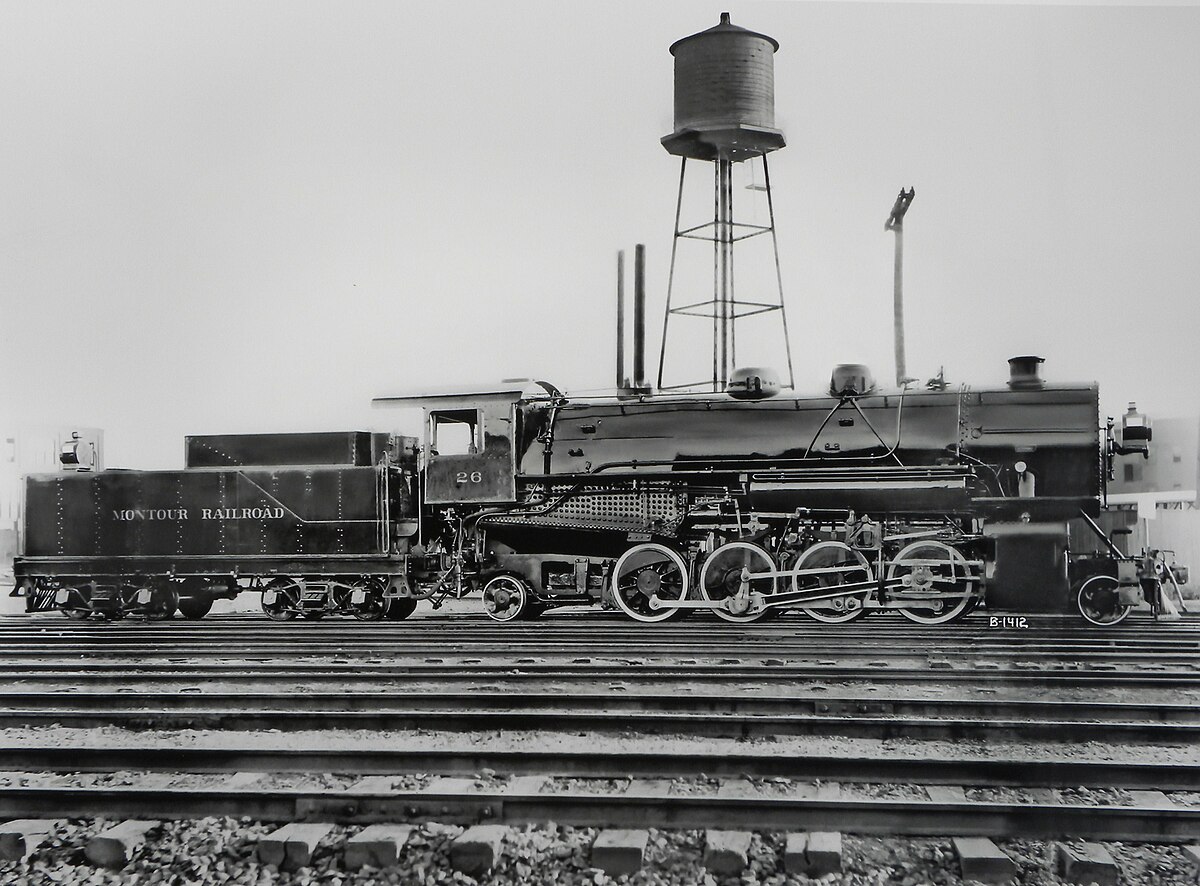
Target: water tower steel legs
(722,272)
(662,350)
(787,341)
(723,308)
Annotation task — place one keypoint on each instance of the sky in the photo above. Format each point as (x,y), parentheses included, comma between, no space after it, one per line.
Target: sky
(230,217)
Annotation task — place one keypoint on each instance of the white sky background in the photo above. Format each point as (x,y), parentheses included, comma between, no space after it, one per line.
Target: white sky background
(232,217)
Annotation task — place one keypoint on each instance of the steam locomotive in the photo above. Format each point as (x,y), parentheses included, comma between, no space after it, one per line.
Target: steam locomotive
(926,502)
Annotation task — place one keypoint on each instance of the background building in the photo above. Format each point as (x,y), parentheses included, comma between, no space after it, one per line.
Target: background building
(30,451)
(1159,495)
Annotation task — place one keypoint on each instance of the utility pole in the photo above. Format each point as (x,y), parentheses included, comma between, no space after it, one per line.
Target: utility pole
(895,223)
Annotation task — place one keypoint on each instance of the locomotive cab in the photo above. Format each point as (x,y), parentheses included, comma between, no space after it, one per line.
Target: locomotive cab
(468,445)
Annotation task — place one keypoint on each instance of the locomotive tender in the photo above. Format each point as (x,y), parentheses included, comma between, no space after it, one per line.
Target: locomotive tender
(926,502)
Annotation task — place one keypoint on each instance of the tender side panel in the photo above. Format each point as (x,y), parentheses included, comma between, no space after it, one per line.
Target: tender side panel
(334,510)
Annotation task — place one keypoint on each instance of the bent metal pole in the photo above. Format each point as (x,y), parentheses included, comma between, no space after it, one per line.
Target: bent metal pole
(895,223)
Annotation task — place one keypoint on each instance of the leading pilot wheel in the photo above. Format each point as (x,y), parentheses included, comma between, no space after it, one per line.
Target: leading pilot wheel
(1099,601)
(820,570)
(505,598)
(721,577)
(928,568)
(646,571)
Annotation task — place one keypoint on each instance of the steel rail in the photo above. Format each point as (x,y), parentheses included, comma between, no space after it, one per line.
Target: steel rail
(142,646)
(730,703)
(634,808)
(980,772)
(1187,629)
(559,620)
(630,672)
(1000,638)
(975,624)
(611,721)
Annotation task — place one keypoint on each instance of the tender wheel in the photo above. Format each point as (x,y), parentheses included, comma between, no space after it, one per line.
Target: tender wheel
(1099,601)
(194,608)
(926,568)
(76,608)
(844,566)
(645,571)
(721,577)
(163,603)
(373,606)
(506,598)
(284,594)
(400,608)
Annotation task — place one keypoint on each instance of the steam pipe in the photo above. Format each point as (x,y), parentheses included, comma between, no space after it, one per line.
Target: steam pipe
(639,316)
(621,380)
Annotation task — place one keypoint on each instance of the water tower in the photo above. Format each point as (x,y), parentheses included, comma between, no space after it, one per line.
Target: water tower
(724,114)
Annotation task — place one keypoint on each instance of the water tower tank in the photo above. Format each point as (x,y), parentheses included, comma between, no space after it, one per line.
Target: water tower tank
(724,94)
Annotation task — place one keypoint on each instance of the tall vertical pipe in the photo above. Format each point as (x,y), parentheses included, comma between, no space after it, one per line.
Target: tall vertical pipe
(898,304)
(639,315)
(725,239)
(895,224)
(621,319)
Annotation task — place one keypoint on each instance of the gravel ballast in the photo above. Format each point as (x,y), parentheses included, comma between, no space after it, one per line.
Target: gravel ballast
(223,851)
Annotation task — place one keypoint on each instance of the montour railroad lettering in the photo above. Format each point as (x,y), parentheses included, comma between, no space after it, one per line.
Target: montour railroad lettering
(241,514)
(205,514)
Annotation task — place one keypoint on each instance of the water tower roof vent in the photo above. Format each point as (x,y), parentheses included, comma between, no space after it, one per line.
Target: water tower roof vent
(725,27)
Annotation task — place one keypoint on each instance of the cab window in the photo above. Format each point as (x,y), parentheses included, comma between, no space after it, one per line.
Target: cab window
(454,432)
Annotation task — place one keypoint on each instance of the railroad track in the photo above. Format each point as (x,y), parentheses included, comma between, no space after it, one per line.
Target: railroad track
(656,803)
(703,714)
(766,673)
(589,642)
(594,674)
(601,763)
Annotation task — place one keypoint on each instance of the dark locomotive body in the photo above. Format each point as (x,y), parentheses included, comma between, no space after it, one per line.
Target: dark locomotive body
(924,501)
(549,500)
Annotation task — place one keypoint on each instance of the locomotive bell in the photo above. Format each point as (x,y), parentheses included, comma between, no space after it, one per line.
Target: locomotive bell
(753,383)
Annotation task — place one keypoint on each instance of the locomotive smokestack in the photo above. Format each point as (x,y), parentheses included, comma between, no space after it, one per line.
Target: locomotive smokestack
(639,316)
(621,380)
